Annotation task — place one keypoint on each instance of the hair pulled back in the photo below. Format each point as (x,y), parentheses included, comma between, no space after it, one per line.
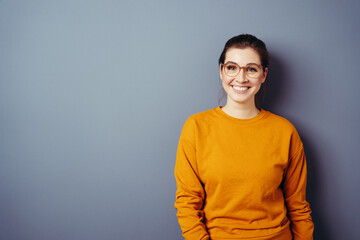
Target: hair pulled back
(243,41)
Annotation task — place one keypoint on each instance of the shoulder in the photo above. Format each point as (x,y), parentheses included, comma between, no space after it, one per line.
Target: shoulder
(202,117)
(281,123)
(286,130)
(199,120)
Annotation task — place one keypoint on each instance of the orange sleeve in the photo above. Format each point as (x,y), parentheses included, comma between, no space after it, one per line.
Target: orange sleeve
(190,193)
(294,188)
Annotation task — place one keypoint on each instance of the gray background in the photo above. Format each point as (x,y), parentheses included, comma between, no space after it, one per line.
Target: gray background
(93,96)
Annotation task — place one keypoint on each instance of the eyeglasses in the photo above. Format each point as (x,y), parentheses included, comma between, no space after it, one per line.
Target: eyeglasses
(252,70)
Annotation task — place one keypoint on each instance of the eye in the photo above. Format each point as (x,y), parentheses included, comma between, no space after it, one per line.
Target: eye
(252,69)
(231,67)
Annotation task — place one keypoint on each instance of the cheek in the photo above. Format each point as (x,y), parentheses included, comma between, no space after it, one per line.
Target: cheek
(225,80)
(257,86)
(226,84)
(258,82)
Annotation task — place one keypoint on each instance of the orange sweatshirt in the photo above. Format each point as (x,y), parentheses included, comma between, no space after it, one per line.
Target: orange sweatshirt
(241,178)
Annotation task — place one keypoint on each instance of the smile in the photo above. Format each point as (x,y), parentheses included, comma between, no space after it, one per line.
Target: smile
(240,89)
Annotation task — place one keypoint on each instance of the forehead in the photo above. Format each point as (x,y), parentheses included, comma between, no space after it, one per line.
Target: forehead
(242,56)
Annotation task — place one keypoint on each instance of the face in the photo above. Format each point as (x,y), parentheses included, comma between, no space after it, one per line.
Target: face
(241,89)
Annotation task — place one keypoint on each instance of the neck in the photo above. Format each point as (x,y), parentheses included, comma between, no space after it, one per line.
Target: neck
(241,111)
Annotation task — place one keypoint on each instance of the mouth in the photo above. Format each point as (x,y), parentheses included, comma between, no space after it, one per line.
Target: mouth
(239,89)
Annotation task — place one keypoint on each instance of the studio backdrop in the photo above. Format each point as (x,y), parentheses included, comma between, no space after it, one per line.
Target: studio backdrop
(93,96)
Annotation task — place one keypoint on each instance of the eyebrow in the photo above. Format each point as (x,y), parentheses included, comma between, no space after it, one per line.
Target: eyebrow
(238,64)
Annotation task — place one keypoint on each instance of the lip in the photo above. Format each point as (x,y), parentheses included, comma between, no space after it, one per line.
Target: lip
(240,91)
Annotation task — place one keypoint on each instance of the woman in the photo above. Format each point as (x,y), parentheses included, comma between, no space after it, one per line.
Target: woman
(241,170)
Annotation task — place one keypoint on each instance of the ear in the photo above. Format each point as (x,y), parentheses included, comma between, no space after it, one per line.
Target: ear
(220,71)
(265,75)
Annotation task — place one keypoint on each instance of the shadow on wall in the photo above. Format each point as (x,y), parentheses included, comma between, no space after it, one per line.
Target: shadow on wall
(313,191)
(274,95)
(273,88)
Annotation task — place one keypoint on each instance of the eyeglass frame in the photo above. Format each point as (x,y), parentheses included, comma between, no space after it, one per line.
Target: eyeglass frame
(260,66)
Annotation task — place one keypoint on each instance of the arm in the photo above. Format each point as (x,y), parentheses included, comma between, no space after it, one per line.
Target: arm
(190,193)
(294,188)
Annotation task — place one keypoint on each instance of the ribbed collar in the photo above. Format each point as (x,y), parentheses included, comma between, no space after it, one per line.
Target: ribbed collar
(222,114)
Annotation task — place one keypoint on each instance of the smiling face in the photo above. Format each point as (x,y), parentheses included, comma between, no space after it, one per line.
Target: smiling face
(242,89)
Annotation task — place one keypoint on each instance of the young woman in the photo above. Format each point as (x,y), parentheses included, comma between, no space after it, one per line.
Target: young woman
(241,170)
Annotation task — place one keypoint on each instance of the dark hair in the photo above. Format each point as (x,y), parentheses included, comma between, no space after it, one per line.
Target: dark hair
(243,41)
(247,41)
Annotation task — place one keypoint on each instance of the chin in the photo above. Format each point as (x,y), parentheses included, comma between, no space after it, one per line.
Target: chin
(240,100)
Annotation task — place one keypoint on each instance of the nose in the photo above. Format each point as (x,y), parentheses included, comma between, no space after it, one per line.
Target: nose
(241,77)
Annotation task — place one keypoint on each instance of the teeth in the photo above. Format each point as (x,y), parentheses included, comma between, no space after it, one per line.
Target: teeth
(240,88)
